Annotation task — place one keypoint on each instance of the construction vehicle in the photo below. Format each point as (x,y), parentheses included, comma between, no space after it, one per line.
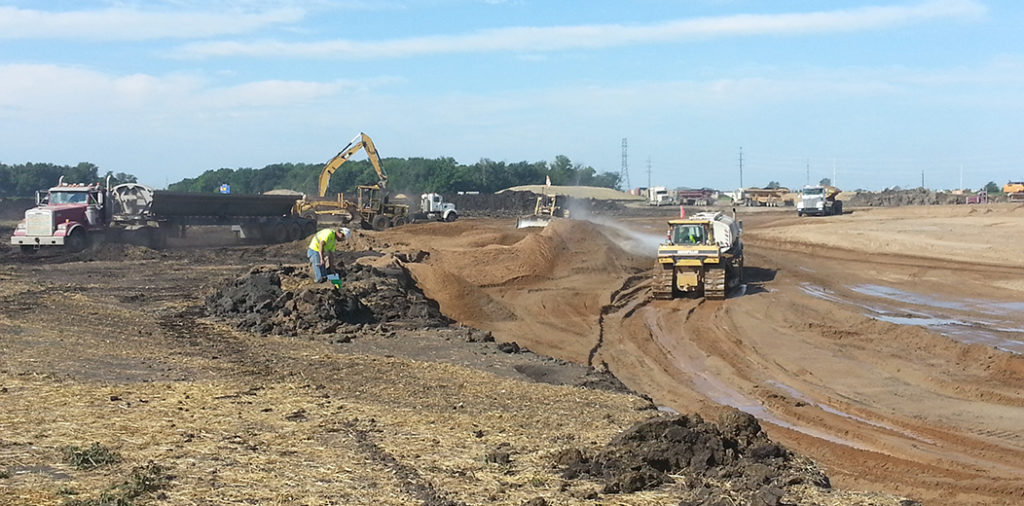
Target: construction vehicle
(73,215)
(702,254)
(767,197)
(819,200)
(1014,191)
(658,196)
(433,207)
(546,209)
(372,206)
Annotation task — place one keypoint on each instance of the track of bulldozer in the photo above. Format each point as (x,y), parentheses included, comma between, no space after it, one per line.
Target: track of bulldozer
(664,283)
(714,283)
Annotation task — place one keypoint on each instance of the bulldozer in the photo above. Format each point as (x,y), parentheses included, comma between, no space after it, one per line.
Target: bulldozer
(546,209)
(372,207)
(701,254)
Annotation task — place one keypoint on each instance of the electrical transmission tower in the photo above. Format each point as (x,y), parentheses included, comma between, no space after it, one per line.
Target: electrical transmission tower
(624,172)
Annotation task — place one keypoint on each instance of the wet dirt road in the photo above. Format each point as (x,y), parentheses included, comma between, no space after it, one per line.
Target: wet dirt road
(897,365)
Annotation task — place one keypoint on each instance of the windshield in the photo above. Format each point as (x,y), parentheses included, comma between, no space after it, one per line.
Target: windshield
(69,197)
(813,191)
(688,234)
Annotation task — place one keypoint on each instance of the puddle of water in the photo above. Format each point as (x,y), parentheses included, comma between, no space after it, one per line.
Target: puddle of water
(972,305)
(966,329)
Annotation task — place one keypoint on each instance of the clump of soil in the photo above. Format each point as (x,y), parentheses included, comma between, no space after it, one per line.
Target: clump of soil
(734,458)
(368,295)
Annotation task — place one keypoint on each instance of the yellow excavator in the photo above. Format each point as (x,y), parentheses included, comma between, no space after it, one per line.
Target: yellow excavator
(371,207)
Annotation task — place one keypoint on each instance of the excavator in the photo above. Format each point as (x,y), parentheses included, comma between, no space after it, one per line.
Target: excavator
(372,206)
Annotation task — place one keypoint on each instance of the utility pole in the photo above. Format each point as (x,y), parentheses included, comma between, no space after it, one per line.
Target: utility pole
(648,174)
(741,167)
(834,182)
(624,171)
(961,177)
(922,178)
(807,181)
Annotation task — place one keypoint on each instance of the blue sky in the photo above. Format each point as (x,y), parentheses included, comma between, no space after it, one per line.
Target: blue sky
(873,92)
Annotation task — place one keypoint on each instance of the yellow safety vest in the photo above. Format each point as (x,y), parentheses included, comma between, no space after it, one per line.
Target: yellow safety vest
(326,236)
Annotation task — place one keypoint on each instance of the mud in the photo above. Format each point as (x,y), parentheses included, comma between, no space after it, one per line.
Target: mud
(368,295)
(732,461)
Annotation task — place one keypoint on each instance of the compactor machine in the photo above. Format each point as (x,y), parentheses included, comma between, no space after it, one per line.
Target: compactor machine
(702,254)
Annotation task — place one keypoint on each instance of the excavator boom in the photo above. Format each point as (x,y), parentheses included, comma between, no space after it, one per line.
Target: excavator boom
(361,141)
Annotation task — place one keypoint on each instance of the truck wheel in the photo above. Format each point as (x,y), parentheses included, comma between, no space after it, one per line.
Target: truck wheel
(452,217)
(398,222)
(294,232)
(75,242)
(380,222)
(838,208)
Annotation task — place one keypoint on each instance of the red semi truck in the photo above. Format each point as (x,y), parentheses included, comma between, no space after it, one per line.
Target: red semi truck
(73,215)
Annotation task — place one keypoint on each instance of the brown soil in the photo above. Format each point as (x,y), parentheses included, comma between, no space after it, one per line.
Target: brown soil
(470,362)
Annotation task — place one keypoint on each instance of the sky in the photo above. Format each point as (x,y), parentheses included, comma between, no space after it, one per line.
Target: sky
(704,93)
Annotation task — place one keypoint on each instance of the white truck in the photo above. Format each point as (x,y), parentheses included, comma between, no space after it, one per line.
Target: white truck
(819,201)
(433,207)
(658,196)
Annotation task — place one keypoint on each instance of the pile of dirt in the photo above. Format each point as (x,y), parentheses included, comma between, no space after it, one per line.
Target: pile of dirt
(510,204)
(897,197)
(368,295)
(732,462)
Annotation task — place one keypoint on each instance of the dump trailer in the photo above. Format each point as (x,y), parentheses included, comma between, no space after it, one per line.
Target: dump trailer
(819,201)
(73,215)
(702,254)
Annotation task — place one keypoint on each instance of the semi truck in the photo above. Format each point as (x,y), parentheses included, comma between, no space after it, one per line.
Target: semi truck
(819,201)
(74,215)
(433,207)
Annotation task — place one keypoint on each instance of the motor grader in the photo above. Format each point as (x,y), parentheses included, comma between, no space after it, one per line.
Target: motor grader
(701,254)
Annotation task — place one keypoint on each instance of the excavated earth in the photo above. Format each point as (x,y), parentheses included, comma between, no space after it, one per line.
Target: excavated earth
(474,363)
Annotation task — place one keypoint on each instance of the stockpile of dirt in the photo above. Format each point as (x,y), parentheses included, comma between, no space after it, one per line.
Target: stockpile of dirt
(517,203)
(732,462)
(368,295)
(914,197)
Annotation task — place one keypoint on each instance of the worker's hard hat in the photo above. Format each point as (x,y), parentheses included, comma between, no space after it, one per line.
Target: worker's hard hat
(345,232)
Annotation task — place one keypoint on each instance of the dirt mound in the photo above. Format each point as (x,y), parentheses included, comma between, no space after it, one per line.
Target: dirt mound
(732,462)
(368,295)
(517,203)
(896,197)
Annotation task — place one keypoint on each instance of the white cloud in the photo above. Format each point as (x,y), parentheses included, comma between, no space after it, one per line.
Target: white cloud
(542,39)
(134,24)
(36,91)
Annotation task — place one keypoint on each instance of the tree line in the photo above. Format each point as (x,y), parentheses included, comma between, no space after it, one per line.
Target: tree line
(23,180)
(442,175)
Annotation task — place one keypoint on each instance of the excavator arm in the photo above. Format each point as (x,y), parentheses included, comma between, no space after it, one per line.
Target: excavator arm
(361,141)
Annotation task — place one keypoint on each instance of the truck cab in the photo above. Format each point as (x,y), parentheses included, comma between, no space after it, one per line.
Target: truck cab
(819,200)
(433,206)
(64,216)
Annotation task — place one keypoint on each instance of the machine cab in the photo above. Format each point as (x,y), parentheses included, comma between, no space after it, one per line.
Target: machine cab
(690,233)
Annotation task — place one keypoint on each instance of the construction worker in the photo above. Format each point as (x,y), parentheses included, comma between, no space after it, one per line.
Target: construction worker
(321,250)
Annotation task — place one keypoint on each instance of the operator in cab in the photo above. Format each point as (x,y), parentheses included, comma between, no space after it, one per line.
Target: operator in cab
(321,250)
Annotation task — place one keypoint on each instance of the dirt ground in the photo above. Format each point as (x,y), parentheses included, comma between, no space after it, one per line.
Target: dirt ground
(885,345)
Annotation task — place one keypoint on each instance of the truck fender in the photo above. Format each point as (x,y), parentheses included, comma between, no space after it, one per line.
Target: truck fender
(451,215)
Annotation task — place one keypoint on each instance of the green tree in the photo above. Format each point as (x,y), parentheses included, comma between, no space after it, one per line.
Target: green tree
(773,185)
(992,187)
(825,182)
